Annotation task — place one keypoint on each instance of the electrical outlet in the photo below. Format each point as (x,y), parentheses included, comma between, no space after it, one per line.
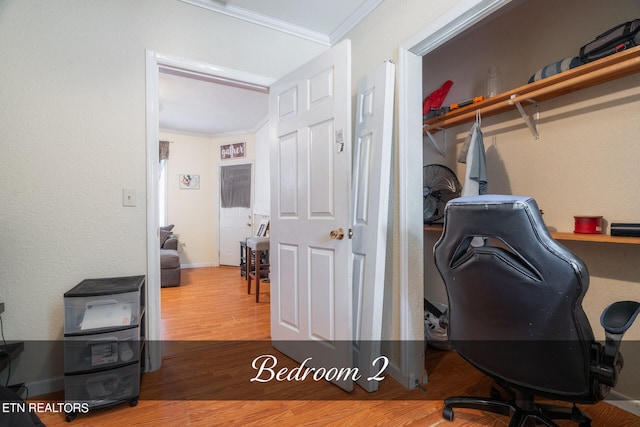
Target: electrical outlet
(1,307)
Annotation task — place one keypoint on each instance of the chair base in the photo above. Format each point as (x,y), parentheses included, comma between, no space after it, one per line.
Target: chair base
(522,410)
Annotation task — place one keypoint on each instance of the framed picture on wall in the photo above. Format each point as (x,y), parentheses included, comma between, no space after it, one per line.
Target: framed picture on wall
(263,228)
(189,181)
(232,151)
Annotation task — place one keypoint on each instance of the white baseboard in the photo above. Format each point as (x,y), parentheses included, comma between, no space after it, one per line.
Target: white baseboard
(51,385)
(623,402)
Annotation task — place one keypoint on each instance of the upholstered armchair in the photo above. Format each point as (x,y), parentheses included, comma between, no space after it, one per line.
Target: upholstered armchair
(169,258)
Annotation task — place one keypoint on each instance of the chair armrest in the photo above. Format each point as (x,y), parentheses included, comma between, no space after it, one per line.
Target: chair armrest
(619,316)
(615,319)
(171,243)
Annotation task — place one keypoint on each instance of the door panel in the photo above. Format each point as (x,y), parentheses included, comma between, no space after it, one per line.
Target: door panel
(363,168)
(288,173)
(321,301)
(288,103)
(371,183)
(321,86)
(320,170)
(311,295)
(288,295)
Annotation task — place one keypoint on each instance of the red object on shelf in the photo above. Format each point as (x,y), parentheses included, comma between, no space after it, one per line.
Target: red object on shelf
(436,98)
(588,224)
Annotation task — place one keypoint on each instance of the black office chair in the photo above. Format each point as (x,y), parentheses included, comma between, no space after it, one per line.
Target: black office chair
(515,312)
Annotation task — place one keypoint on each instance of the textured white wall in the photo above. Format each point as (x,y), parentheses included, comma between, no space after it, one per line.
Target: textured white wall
(72,102)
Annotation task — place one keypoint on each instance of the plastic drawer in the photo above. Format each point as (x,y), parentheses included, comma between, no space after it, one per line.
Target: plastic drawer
(105,303)
(93,313)
(103,387)
(99,351)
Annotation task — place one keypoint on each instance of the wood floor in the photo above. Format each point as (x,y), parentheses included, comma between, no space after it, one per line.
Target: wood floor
(212,330)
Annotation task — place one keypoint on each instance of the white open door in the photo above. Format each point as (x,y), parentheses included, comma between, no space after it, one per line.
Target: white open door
(235,222)
(235,226)
(310,151)
(371,183)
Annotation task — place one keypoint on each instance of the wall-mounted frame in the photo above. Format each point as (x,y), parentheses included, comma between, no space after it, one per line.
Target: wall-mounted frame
(189,181)
(232,151)
(263,229)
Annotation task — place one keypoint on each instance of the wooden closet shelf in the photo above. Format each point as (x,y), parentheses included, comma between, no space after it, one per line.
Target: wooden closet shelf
(603,70)
(599,238)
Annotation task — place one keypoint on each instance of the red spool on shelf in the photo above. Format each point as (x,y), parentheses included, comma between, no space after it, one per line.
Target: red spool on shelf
(588,224)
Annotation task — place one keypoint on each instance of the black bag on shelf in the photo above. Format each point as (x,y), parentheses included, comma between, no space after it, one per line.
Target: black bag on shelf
(616,39)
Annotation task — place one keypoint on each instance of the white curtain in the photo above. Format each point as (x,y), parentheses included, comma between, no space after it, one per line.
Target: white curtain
(235,186)
(163,182)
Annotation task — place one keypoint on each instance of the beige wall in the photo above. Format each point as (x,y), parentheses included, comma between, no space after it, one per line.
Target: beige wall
(73,136)
(195,213)
(586,160)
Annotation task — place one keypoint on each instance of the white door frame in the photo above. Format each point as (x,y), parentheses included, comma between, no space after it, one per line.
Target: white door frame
(154,63)
(462,16)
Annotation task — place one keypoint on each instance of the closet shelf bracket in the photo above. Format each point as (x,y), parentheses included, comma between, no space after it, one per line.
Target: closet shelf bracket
(442,150)
(532,125)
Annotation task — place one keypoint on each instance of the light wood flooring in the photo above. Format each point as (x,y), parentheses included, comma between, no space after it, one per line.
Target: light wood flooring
(211,331)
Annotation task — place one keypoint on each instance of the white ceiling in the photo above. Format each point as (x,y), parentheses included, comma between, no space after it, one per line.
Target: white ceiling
(197,105)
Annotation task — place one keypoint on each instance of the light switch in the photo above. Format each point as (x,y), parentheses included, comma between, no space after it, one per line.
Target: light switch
(128,197)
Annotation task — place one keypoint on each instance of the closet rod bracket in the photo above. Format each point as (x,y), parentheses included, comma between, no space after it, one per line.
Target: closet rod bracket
(532,125)
(442,150)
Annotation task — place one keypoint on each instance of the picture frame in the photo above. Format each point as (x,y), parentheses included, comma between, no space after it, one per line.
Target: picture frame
(189,181)
(232,151)
(263,228)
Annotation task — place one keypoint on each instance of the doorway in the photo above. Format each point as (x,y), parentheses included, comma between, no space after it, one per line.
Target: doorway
(155,62)
(464,15)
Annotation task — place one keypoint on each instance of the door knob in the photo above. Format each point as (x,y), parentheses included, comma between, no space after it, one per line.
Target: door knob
(337,234)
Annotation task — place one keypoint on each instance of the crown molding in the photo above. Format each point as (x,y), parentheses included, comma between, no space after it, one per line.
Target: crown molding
(259,19)
(354,19)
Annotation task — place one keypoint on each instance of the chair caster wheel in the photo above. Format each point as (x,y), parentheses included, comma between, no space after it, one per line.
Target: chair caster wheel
(70,417)
(447,413)
(133,402)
